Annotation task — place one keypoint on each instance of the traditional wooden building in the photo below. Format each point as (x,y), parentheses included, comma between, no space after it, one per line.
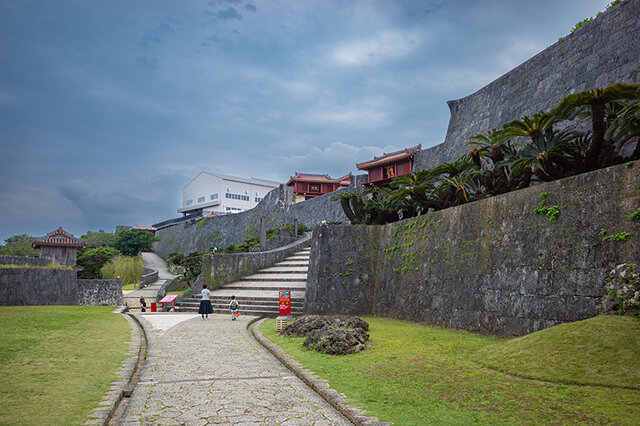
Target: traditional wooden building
(308,185)
(381,170)
(59,246)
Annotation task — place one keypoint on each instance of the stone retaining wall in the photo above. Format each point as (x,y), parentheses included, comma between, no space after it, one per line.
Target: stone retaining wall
(99,292)
(149,276)
(48,286)
(219,269)
(278,208)
(493,266)
(24,260)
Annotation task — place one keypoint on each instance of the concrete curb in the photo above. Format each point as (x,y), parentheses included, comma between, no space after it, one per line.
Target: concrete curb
(106,408)
(320,386)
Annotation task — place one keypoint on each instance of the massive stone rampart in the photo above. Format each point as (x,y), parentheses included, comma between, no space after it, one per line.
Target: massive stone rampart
(493,266)
(278,209)
(598,54)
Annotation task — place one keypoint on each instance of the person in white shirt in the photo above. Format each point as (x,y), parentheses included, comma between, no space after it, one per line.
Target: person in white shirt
(205,304)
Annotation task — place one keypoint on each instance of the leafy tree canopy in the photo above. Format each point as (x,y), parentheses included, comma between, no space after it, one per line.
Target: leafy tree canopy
(99,239)
(92,259)
(19,245)
(130,241)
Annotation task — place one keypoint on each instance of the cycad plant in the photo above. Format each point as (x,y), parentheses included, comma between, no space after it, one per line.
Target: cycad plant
(413,188)
(595,102)
(491,152)
(530,127)
(626,127)
(353,205)
(548,155)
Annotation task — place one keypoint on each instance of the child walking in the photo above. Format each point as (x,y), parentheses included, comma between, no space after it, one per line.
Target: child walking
(205,304)
(233,307)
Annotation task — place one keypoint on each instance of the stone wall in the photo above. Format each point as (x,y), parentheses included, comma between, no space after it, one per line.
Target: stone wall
(598,54)
(49,286)
(37,286)
(221,231)
(24,260)
(493,266)
(219,269)
(99,292)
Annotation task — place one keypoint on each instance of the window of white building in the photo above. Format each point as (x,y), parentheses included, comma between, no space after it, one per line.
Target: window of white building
(236,196)
(214,196)
(189,202)
(201,199)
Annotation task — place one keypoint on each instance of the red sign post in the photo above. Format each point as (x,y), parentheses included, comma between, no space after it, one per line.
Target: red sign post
(285,303)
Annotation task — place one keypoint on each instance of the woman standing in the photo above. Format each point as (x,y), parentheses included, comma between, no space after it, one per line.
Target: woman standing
(205,303)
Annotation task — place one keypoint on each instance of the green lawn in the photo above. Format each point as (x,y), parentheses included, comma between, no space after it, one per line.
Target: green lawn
(132,286)
(58,361)
(413,374)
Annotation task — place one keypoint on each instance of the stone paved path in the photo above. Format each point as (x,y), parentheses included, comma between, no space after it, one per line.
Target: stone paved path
(150,293)
(213,372)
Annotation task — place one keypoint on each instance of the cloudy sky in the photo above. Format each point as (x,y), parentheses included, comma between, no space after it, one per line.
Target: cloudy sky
(109,108)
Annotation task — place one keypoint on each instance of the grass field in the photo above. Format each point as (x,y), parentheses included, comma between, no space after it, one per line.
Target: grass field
(412,374)
(58,361)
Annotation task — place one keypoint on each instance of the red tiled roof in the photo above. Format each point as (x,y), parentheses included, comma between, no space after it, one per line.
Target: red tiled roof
(346,180)
(59,238)
(144,228)
(392,157)
(206,216)
(310,177)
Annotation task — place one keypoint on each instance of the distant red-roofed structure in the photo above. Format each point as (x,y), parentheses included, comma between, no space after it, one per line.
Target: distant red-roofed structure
(309,185)
(383,169)
(207,216)
(60,246)
(145,228)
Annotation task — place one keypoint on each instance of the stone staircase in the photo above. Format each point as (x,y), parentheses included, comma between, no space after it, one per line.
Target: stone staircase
(257,294)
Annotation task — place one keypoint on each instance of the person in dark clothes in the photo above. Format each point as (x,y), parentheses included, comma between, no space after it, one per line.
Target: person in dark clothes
(143,304)
(205,304)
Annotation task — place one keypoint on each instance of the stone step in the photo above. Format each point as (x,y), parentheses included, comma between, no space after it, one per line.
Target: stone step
(269,313)
(293,263)
(267,293)
(279,269)
(260,276)
(268,286)
(243,302)
(243,308)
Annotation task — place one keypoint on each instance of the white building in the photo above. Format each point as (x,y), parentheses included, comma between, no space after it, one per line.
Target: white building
(221,194)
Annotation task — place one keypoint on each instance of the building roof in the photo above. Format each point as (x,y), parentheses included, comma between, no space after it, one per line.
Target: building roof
(346,180)
(252,181)
(389,158)
(206,216)
(312,178)
(58,238)
(144,228)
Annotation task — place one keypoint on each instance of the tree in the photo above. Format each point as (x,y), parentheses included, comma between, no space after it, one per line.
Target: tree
(99,239)
(19,245)
(93,259)
(130,241)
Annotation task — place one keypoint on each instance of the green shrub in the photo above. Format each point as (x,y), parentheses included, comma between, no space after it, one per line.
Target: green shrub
(19,245)
(129,269)
(131,241)
(91,260)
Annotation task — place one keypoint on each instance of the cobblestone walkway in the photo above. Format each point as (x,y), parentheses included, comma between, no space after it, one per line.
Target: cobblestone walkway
(213,372)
